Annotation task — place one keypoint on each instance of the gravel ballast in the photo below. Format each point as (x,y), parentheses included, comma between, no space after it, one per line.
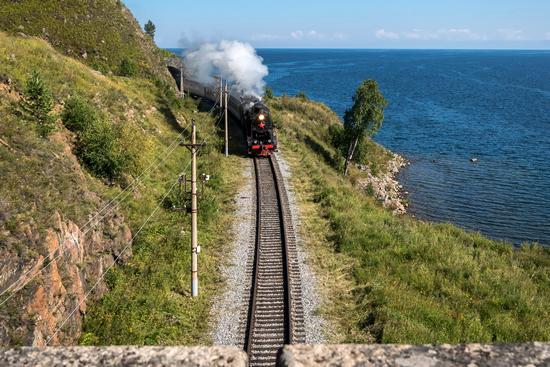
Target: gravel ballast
(314,324)
(227,311)
(227,308)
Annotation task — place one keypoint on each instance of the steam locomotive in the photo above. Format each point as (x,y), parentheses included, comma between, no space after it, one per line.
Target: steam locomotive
(249,110)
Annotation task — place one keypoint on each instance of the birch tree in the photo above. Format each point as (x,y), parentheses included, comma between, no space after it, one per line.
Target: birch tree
(365,117)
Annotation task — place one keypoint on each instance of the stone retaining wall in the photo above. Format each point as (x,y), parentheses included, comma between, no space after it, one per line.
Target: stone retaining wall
(478,355)
(123,356)
(472,355)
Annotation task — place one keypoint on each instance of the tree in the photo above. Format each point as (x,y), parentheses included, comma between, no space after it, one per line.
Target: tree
(150,29)
(268,93)
(365,117)
(302,96)
(39,103)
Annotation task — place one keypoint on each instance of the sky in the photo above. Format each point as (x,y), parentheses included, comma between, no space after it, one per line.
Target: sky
(431,24)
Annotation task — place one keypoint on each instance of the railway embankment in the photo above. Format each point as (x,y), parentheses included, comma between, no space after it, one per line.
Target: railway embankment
(73,205)
(388,278)
(231,305)
(92,250)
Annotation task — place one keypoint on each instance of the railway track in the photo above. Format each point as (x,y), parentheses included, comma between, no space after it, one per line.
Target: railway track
(275,313)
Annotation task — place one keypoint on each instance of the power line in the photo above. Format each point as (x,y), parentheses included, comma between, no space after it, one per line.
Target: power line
(125,248)
(126,192)
(114,262)
(110,206)
(187,166)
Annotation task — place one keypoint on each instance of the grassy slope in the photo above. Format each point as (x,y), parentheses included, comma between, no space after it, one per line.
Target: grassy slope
(399,280)
(103,30)
(148,302)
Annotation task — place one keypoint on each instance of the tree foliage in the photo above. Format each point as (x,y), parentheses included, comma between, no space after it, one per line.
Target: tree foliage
(78,114)
(128,67)
(150,29)
(38,103)
(97,143)
(268,93)
(302,95)
(365,117)
(367,113)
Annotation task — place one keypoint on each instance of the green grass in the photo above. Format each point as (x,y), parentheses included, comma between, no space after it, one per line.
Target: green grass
(388,279)
(400,280)
(148,301)
(100,33)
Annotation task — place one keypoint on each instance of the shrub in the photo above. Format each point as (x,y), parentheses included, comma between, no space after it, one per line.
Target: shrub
(97,148)
(167,93)
(367,152)
(39,103)
(302,96)
(128,67)
(78,114)
(268,93)
(89,339)
(97,142)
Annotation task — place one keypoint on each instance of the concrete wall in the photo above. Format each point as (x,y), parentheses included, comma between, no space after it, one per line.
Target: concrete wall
(528,354)
(123,356)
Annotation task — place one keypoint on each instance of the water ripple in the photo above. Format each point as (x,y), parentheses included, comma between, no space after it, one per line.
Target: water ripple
(446,107)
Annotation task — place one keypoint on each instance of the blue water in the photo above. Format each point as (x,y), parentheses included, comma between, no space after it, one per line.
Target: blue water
(446,107)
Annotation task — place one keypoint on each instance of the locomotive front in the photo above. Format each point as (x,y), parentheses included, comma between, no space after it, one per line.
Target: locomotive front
(262,139)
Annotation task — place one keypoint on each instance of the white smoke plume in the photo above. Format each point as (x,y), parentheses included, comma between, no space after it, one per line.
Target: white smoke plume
(234,61)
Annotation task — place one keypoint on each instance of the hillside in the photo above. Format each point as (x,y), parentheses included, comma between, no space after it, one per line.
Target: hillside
(394,279)
(64,224)
(100,33)
(93,252)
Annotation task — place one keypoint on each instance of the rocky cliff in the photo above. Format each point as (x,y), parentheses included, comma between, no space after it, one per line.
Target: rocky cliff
(60,281)
(50,265)
(56,241)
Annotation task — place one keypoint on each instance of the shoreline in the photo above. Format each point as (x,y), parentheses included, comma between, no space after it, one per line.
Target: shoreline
(385,187)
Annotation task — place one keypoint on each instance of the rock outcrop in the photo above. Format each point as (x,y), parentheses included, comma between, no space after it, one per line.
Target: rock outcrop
(48,293)
(50,268)
(385,186)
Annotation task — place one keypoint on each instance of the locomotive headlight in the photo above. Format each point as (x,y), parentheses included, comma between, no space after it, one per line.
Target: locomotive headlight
(261,117)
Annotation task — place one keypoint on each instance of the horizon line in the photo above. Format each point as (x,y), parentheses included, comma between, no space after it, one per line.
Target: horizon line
(387,49)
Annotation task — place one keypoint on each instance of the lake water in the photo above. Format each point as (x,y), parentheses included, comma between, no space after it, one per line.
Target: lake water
(446,107)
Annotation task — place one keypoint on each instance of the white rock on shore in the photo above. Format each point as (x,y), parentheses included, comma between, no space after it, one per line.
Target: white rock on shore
(385,186)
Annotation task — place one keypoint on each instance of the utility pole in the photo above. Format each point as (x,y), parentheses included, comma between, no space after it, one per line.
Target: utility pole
(194,234)
(195,248)
(226,131)
(221,93)
(181,81)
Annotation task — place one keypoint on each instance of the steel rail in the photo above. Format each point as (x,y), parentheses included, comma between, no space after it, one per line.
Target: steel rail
(272,309)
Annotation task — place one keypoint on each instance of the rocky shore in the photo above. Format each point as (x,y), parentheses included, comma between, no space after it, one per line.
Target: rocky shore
(384,186)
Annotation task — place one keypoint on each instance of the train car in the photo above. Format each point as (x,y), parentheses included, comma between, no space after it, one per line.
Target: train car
(197,89)
(252,113)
